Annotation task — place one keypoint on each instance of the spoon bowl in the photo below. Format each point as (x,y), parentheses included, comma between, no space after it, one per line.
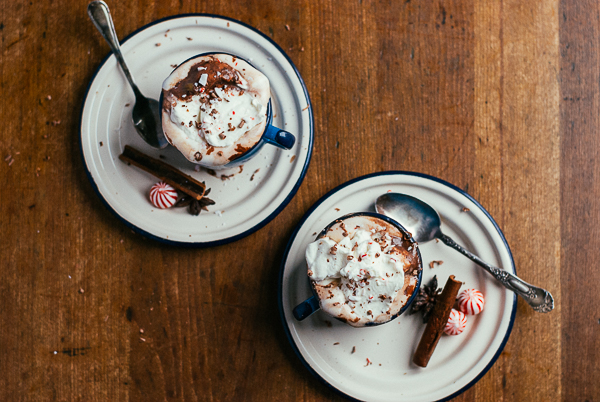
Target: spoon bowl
(420,219)
(145,116)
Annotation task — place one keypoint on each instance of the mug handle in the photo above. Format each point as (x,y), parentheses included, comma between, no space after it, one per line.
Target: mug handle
(278,137)
(306,308)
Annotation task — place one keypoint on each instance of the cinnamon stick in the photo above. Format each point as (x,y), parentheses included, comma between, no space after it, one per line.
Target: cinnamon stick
(164,172)
(437,322)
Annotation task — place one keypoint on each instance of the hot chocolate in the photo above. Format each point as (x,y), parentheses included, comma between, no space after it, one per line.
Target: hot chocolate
(363,269)
(214,108)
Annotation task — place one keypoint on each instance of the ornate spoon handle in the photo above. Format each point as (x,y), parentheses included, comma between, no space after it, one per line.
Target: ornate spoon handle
(100,16)
(538,298)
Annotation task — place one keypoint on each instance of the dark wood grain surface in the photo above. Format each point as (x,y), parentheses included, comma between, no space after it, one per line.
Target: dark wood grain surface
(499,97)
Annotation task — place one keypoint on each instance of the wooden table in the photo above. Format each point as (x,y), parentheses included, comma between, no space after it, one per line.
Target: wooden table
(498,97)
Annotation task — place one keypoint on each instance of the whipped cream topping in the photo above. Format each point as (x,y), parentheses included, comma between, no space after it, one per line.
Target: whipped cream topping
(214,108)
(369,272)
(222,119)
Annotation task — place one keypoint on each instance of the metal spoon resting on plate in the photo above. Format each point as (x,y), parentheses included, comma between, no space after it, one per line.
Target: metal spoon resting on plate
(145,112)
(424,223)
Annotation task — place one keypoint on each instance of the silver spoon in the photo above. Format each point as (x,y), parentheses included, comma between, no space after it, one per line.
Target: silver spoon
(424,223)
(145,111)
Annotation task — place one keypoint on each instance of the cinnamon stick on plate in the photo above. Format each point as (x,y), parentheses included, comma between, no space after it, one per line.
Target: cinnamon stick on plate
(437,322)
(164,172)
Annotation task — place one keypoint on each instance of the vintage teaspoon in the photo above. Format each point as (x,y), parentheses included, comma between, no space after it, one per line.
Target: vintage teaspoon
(145,111)
(424,223)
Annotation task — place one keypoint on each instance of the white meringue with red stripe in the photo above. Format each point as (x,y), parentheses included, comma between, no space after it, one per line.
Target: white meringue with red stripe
(162,195)
(457,322)
(471,301)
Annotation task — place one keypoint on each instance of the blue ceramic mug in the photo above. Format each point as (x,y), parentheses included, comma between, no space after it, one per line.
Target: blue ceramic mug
(271,135)
(310,305)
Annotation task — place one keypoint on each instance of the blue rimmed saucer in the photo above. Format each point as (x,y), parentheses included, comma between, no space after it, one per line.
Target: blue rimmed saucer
(376,363)
(246,201)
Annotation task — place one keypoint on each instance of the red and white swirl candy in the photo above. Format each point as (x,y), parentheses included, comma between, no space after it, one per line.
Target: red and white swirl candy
(457,322)
(163,195)
(471,301)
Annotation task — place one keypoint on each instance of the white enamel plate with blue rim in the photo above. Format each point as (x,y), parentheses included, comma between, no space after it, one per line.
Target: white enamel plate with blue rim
(325,345)
(245,202)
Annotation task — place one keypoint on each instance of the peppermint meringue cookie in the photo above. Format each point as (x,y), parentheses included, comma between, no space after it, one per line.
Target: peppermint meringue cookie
(163,195)
(457,322)
(363,269)
(471,301)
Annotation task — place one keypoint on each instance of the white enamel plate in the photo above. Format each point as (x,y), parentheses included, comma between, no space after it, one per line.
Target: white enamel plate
(247,200)
(325,345)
